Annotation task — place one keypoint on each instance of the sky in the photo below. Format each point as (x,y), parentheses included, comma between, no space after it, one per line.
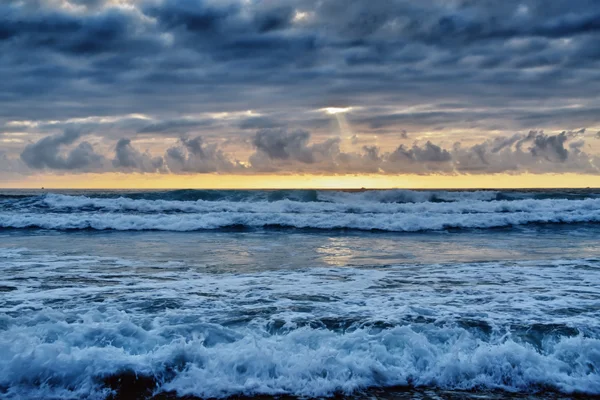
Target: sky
(299,93)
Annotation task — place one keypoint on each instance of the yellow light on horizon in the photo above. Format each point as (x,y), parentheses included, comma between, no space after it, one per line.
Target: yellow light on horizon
(297,181)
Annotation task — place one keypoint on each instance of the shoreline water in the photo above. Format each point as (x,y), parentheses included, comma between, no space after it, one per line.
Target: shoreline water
(129,386)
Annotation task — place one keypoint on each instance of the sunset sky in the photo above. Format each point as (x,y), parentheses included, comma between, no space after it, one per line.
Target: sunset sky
(299,93)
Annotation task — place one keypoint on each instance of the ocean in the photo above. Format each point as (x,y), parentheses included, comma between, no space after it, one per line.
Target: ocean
(390,294)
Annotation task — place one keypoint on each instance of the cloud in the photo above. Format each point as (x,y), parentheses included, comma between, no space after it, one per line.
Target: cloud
(535,152)
(255,123)
(195,156)
(295,151)
(173,55)
(472,67)
(46,153)
(427,153)
(280,147)
(550,147)
(176,125)
(130,159)
(91,33)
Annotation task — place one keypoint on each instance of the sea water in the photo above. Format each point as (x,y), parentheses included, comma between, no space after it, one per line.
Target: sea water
(302,293)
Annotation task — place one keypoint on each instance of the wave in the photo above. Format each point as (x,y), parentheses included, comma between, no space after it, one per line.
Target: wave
(366,222)
(76,359)
(79,212)
(313,195)
(77,326)
(70,203)
(384,210)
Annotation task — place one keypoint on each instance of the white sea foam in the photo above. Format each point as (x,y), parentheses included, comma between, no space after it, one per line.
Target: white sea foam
(127,214)
(305,362)
(55,202)
(394,210)
(68,320)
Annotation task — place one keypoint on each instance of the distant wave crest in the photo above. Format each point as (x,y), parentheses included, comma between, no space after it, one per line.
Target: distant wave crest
(394,210)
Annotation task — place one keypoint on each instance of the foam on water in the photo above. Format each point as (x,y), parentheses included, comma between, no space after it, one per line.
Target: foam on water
(82,308)
(342,210)
(69,321)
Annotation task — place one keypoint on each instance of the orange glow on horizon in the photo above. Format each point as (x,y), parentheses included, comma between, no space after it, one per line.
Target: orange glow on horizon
(216,181)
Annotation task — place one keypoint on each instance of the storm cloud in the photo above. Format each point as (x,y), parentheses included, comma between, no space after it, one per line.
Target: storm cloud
(129,158)
(281,151)
(254,79)
(47,153)
(195,156)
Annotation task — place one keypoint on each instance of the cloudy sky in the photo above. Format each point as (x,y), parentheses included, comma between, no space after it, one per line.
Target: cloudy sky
(246,92)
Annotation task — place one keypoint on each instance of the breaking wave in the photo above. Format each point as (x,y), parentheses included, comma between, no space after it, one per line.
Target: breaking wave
(393,210)
(221,362)
(79,327)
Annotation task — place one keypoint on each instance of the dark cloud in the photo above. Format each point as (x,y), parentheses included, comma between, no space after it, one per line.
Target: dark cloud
(550,147)
(226,54)
(426,153)
(282,145)
(255,123)
(95,33)
(467,66)
(176,125)
(535,152)
(276,147)
(130,159)
(282,151)
(274,19)
(195,156)
(47,153)
(500,143)
(193,16)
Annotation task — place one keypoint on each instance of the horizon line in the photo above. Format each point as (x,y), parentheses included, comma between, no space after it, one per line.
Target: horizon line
(313,188)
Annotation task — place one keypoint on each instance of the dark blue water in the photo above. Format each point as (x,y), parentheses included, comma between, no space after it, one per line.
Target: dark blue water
(395,294)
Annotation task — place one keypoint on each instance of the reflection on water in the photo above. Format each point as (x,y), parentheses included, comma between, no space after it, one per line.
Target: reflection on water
(338,251)
(268,250)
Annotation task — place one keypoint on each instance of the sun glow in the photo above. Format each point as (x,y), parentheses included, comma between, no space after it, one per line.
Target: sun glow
(336,110)
(372,181)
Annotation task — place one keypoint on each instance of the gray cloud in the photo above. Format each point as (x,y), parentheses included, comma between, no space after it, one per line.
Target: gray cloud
(550,147)
(176,125)
(476,66)
(219,53)
(280,147)
(130,159)
(255,123)
(427,153)
(281,151)
(46,153)
(535,152)
(195,156)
